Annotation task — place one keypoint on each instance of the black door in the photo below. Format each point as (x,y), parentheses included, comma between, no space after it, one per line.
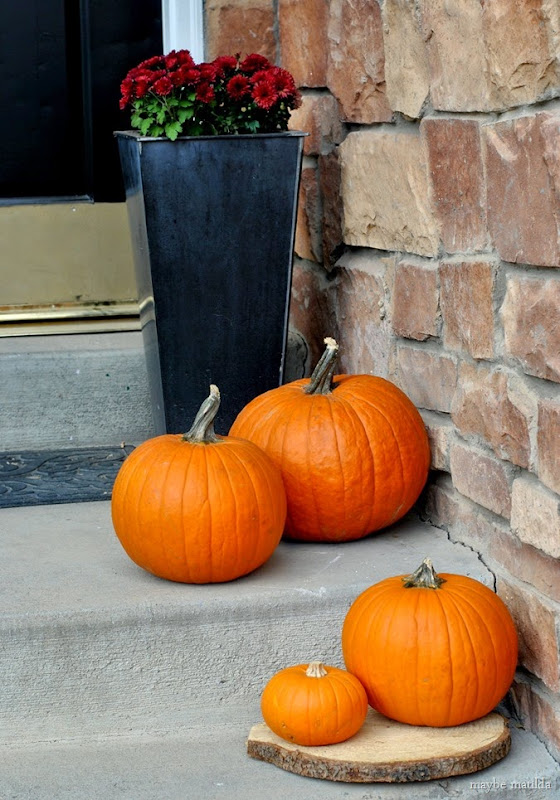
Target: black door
(61,63)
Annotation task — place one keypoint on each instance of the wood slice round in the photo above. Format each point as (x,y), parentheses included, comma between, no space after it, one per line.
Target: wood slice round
(388,751)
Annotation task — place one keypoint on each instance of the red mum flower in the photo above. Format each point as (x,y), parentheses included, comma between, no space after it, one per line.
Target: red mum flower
(190,76)
(262,75)
(154,61)
(205,93)
(207,72)
(184,76)
(238,86)
(254,62)
(141,87)
(284,83)
(265,94)
(151,77)
(185,59)
(224,64)
(163,86)
(127,92)
(171,60)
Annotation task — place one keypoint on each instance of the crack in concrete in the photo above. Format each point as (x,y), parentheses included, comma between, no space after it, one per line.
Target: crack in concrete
(477,553)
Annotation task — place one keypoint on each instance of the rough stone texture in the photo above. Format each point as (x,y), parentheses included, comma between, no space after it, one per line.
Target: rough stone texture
(329,183)
(442,503)
(355,71)
(318,116)
(482,478)
(454,33)
(440,431)
(535,515)
(385,192)
(308,226)
(415,299)
(240,26)
(303,40)
(359,303)
(535,621)
(484,405)
(407,71)
(310,312)
(523,208)
(458,182)
(527,563)
(473,525)
(551,12)
(531,320)
(428,377)
(550,130)
(548,444)
(520,59)
(296,361)
(488,56)
(540,711)
(467,306)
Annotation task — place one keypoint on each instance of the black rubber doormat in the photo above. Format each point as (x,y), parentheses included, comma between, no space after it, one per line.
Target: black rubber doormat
(59,476)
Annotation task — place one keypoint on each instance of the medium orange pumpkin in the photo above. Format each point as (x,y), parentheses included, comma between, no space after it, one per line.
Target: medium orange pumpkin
(431,649)
(199,508)
(313,704)
(353,450)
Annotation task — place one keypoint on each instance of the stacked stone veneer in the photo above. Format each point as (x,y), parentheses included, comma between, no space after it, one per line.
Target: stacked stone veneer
(428,244)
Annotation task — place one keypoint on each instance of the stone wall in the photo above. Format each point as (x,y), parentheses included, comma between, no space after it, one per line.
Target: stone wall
(428,245)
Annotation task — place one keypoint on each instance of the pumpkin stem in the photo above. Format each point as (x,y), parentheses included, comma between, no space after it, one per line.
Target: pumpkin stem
(425,577)
(202,429)
(316,670)
(321,379)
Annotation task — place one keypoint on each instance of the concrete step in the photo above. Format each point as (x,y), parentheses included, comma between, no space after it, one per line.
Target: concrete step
(70,391)
(212,764)
(93,645)
(115,684)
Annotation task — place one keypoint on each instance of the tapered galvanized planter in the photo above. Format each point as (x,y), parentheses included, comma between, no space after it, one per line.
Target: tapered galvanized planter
(212,221)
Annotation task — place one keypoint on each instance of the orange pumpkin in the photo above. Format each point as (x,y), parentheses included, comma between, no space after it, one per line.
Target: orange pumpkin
(199,508)
(312,704)
(431,649)
(353,450)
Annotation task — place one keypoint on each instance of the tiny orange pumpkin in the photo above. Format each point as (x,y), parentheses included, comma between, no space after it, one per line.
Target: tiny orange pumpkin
(436,650)
(313,704)
(198,507)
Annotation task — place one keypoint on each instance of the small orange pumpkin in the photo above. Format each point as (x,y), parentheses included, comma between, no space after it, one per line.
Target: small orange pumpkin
(430,649)
(313,704)
(353,450)
(199,508)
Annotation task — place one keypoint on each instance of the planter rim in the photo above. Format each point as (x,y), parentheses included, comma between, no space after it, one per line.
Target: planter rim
(139,138)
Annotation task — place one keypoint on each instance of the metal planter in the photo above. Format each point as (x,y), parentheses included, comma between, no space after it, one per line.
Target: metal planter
(212,221)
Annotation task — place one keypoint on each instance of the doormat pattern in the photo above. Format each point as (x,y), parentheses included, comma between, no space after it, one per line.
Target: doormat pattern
(59,476)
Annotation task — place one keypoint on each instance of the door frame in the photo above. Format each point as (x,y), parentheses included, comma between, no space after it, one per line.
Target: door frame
(183,26)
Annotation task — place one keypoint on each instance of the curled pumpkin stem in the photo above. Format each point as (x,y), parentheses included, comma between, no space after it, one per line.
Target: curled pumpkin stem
(321,379)
(425,577)
(316,669)
(202,429)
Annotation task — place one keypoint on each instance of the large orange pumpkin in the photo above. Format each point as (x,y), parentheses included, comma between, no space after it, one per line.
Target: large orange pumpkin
(431,649)
(199,508)
(312,704)
(353,450)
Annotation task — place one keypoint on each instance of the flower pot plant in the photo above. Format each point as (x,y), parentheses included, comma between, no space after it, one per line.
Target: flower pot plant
(211,175)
